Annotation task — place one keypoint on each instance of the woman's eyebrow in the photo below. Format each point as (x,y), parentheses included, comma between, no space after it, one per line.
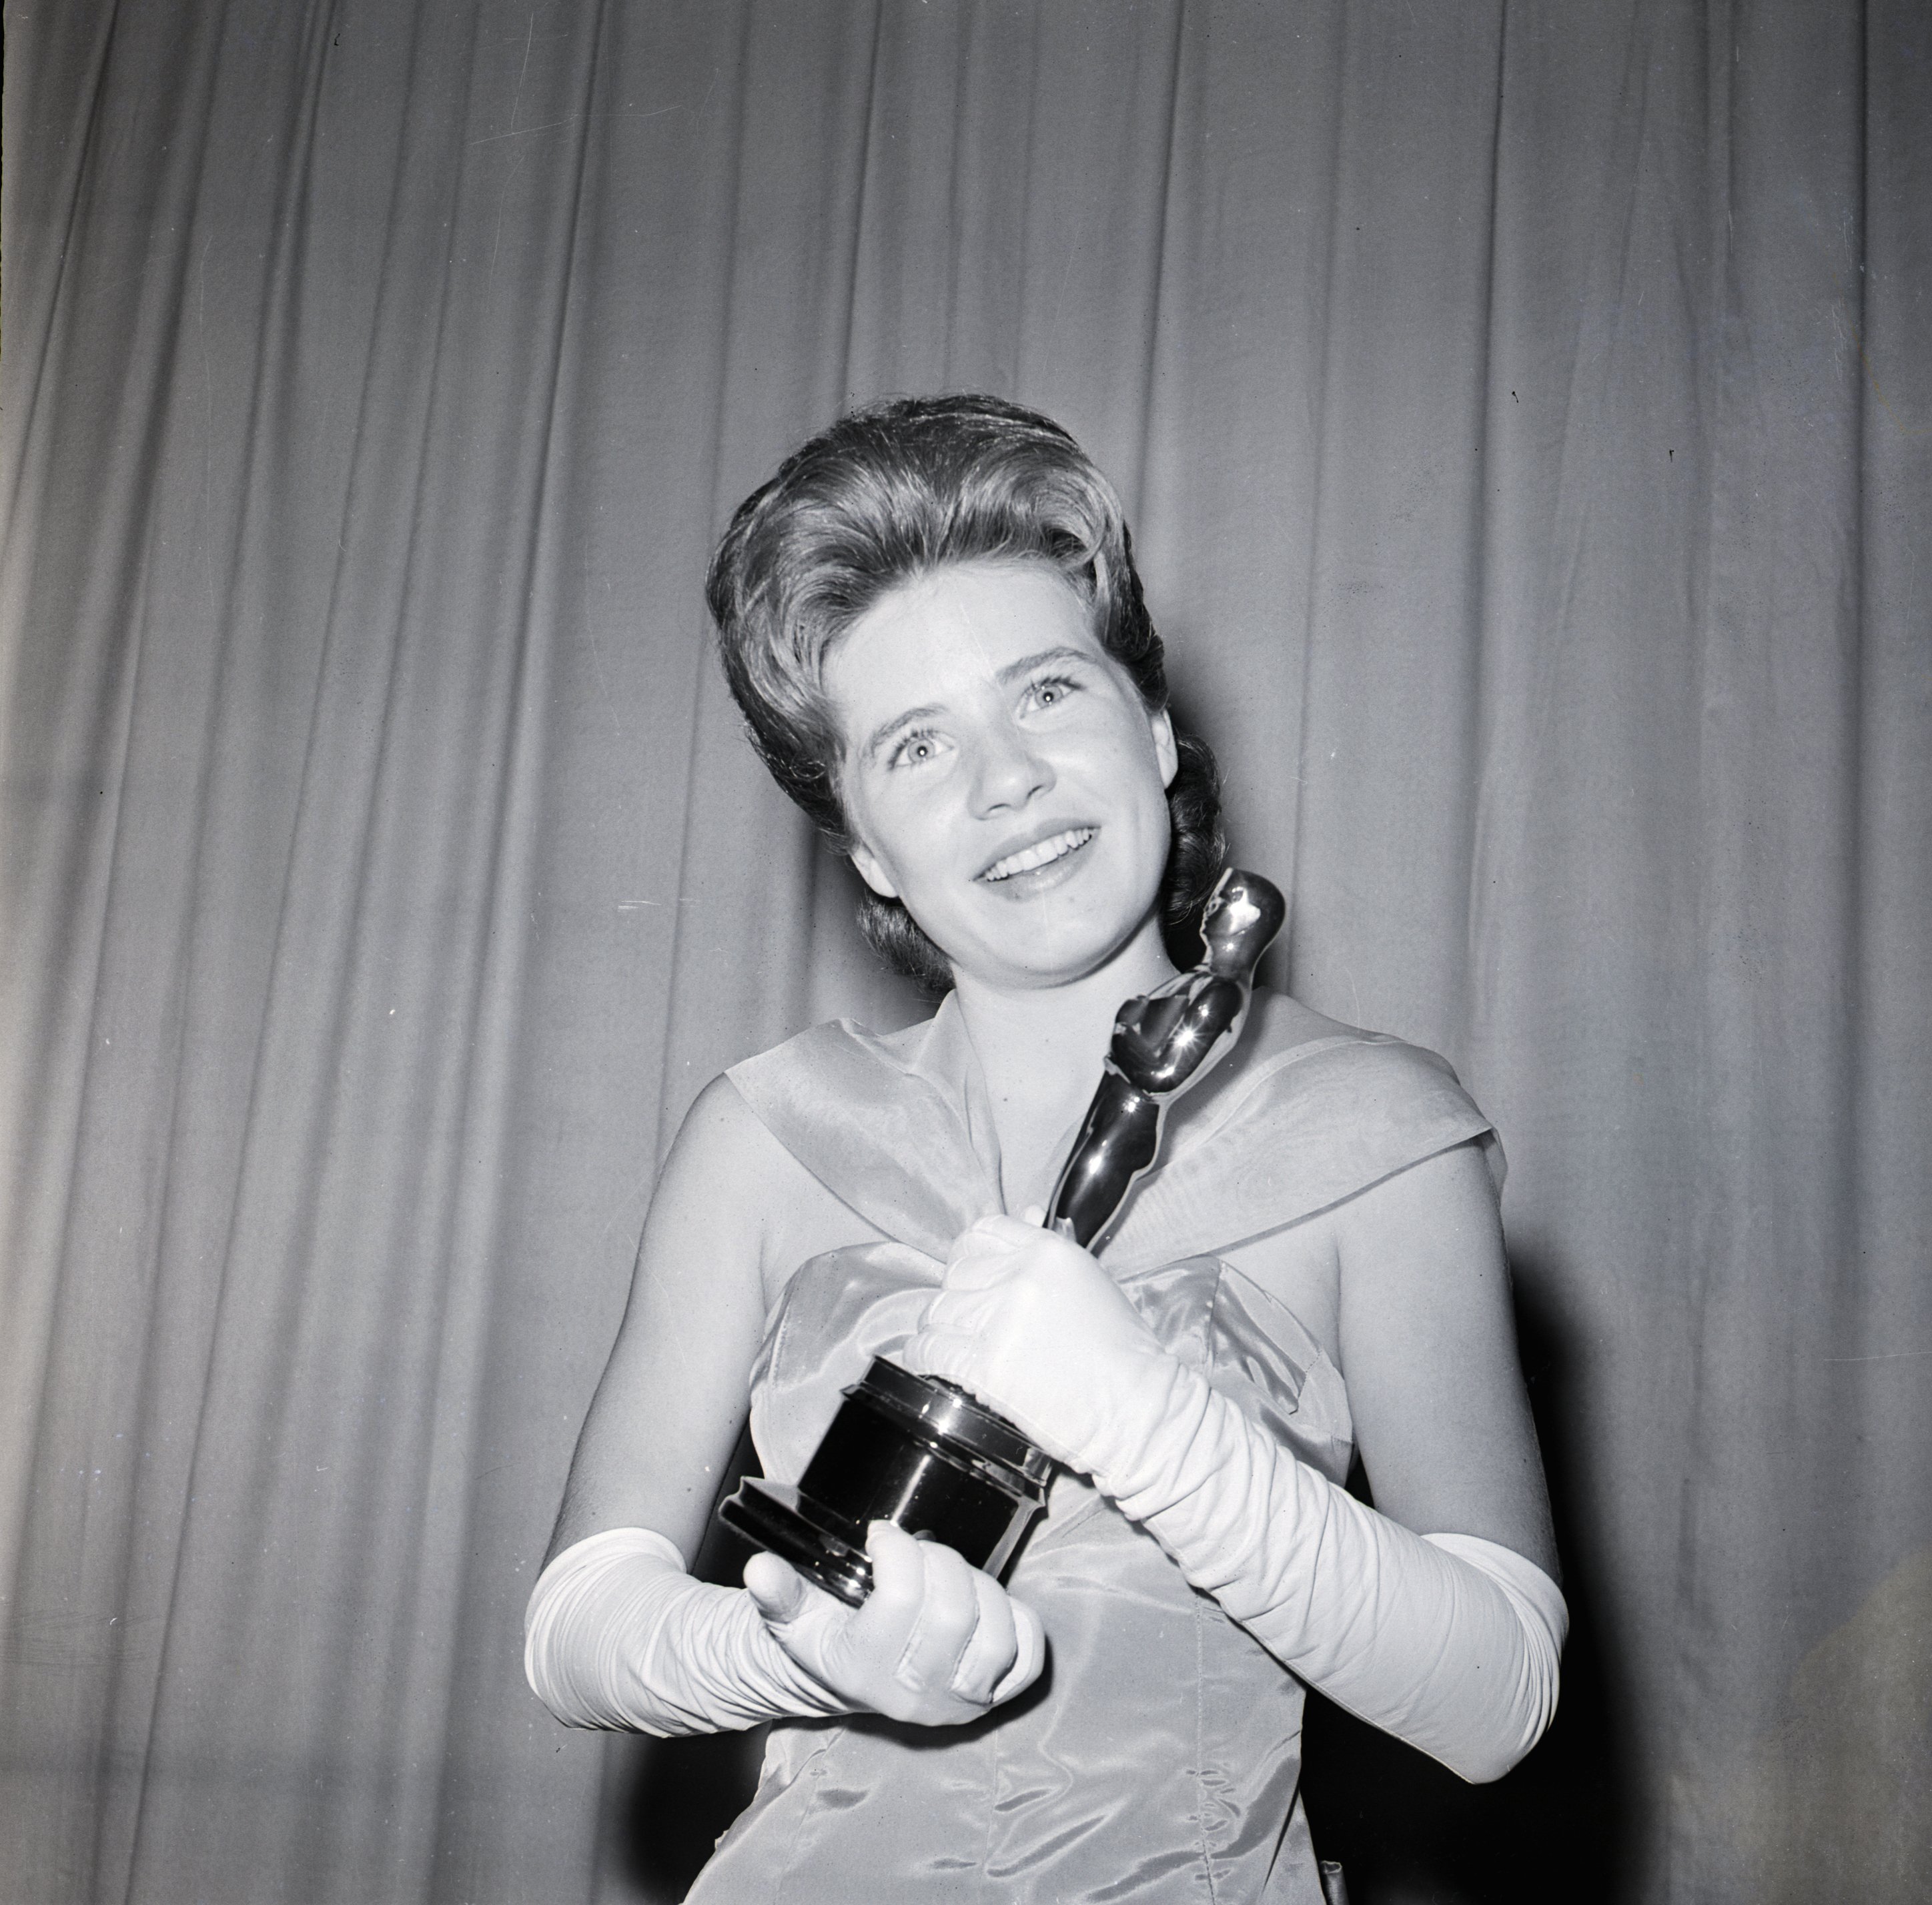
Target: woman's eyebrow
(1065,652)
(886,729)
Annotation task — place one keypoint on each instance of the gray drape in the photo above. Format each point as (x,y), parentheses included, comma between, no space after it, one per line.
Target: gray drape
(1526,415)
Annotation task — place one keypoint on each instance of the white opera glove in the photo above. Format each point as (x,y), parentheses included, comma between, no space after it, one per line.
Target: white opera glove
(936,1643)
(1033,1325)
(618,1635)
(1447,1641)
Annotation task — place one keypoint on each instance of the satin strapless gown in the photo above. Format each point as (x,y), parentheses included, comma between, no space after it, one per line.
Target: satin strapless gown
(1159,1756)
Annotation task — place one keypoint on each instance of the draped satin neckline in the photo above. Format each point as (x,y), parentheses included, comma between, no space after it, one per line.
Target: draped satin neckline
(899,1126)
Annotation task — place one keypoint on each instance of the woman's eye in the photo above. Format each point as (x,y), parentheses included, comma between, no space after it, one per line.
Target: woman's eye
(915,750)
(1051,692)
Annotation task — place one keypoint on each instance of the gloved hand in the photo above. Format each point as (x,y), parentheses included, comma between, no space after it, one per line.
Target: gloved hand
(1447,1641)
(937,1642)
(1033,1326)
(618,1635)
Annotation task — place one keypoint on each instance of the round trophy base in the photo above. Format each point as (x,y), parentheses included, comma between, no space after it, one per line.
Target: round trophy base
(912,1449)
(823,1547)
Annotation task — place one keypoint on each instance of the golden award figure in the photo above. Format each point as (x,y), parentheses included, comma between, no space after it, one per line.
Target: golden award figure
(920,1451)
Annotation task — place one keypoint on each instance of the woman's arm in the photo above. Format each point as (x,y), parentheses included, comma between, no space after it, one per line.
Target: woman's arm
(1447,1636)
(1428,1344)
(617,1633)
(668,1410)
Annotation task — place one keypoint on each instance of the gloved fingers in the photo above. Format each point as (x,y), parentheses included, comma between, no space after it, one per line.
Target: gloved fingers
(1056,1294)
(997,1234)
(943,1628)
(942,1352)
(971,1638)
(1016,1260)
(982,1276)
(1034,1327)
(806,1621)
(993,1647)
(971,1313)
(776,1585)
(937,1642)
(957,1358)
(976,1260)
(854,1649)
(883,1625)
(1029,1652)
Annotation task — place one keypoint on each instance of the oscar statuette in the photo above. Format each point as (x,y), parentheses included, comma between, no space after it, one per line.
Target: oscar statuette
(921,1452)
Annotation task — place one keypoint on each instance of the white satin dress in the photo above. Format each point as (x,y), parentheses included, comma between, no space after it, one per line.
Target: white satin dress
(1158,1757)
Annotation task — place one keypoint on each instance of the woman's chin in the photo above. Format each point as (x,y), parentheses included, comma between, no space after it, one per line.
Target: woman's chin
(1047,945)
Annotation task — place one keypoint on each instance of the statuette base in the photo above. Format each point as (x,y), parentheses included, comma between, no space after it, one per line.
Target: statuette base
(914,1450)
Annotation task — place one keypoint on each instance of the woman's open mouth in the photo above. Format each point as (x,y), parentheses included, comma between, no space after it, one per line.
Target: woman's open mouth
(1041,852)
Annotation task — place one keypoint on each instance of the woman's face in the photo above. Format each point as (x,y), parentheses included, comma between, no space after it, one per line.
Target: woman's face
(1001,773)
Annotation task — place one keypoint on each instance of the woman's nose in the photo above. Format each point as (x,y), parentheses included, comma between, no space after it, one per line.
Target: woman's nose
(1009,771)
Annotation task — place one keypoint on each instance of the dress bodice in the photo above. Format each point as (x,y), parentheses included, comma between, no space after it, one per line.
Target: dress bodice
(1158,1757)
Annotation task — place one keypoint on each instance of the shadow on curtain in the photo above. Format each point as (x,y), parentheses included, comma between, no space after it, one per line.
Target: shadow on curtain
(1525,414)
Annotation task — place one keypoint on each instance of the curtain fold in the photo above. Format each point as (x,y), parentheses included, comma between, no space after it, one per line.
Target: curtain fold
(1525,412)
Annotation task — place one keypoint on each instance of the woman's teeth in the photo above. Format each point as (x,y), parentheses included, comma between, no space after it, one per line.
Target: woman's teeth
(1041,854)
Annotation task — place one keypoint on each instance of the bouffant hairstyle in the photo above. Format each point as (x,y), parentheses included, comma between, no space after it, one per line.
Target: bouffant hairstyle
(889,493)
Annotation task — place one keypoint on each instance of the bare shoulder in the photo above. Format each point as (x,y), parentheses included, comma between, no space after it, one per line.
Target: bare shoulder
(726,1166)
(1371,1119)
(1451,1189)
(721,1136)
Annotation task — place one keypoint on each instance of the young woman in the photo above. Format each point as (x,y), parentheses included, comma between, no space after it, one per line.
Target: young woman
(930,618)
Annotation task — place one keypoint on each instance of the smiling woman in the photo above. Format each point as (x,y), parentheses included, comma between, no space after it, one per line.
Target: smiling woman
(1029,774)
(908,497)
(930,618)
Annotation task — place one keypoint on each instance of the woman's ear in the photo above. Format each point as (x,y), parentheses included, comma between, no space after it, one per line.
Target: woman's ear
(1164,750)
(874,874)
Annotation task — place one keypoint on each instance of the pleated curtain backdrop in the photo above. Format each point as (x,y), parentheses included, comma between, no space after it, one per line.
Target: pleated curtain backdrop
(1525,413)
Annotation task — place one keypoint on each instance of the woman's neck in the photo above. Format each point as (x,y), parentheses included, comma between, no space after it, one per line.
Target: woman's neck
(1040,1048)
